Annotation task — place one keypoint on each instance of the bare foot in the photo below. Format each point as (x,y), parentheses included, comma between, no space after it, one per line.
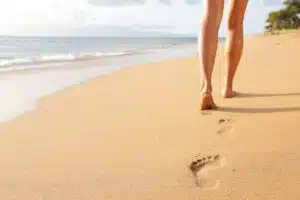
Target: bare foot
(207,102)
(228,93)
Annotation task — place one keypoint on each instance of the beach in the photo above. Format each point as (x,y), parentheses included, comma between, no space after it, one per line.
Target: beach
(133,134)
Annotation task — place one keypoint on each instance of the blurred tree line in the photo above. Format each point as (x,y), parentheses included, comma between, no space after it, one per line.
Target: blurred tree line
(285,18)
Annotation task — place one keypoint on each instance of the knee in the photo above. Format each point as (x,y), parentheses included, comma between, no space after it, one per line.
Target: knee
(212,20)
(235,22)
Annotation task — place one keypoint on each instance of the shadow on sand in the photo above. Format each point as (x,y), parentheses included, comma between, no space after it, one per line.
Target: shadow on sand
(261,110)
(247,95)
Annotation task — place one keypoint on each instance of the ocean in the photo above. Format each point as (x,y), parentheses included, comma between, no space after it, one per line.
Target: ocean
(34,67)
(38,50)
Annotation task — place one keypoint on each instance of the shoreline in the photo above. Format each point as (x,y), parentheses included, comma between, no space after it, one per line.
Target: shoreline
(133,134)
(43,58)
(50,78)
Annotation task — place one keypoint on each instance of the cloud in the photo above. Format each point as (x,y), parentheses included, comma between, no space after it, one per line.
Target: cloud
(119,3)
(192,2)
(117,17)
(166,2)
(272,2)
(122,31)
(116,2)
(152,27)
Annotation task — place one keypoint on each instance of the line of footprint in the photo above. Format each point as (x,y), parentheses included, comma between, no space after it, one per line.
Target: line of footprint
(199,164)
(226,128)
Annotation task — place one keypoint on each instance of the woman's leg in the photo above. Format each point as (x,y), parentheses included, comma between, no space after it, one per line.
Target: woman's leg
(208,43)
(235,42)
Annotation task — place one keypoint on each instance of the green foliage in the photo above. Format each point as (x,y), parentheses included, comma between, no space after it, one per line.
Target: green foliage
(286,18)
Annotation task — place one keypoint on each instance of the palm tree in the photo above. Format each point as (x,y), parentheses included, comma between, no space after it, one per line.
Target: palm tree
(286,18)
(292,4)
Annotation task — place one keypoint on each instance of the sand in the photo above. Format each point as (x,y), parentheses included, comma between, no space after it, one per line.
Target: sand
(133,134)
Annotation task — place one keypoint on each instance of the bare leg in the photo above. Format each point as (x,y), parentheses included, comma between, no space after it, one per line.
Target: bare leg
(208,43)
(234,46)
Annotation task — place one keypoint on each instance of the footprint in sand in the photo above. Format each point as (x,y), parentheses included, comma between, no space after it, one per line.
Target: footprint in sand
(201,168)
(224,121)
(226,128)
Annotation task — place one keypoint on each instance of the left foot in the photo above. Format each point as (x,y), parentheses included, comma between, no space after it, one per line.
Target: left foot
(228,93)
(207,102)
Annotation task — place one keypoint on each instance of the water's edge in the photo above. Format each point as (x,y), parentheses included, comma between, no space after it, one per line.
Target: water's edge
(22,88)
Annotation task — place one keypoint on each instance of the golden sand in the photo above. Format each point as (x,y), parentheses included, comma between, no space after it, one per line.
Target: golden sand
(133,134)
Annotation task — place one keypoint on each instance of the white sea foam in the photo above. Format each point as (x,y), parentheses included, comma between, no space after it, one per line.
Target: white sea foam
(55,58)
(21,90)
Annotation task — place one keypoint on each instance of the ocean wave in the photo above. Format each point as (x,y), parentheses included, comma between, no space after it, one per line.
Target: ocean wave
(9,62)
(6,62)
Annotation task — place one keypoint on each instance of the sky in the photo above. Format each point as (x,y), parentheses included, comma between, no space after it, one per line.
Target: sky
(118,17)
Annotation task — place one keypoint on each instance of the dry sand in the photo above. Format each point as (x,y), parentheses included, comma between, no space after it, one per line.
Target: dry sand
(133,134)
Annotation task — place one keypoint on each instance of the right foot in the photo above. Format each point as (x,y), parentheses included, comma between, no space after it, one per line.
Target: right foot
(207,102)
(228,93)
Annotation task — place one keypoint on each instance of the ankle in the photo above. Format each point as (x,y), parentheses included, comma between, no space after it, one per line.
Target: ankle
(206,90)
(206,87)
(228,86)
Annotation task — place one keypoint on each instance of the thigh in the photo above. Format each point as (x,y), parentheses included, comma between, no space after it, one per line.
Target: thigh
(237,9)
(214,9)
